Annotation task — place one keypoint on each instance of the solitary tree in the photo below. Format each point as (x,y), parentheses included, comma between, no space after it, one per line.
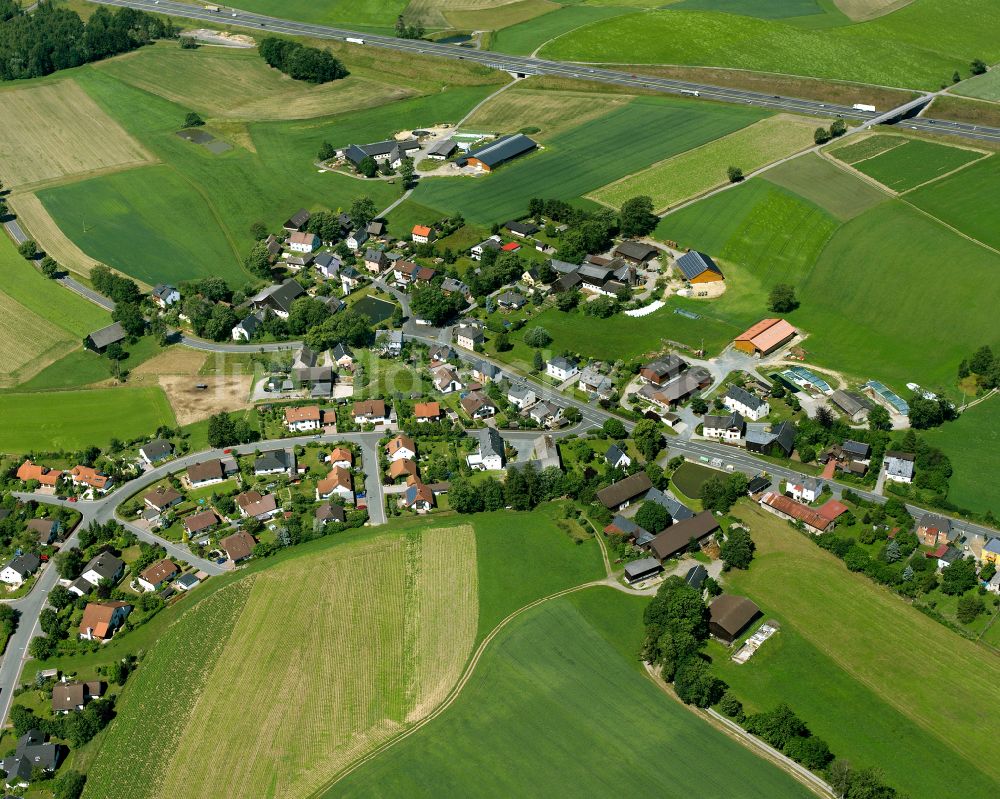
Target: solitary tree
(49,267)
(537,361)
(735,174)
(537,337)
(977,67)
(326,151)
(193,120)
(699,406)
(956,77)
(259,261)
(28,249)
(782,299)
(406,173)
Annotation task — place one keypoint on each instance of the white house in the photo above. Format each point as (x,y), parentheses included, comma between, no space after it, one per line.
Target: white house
(389,343)
(521,395)
(103,567)
(301,420)
(401,448)
(301,241)
(806,491)
(748,405)
(469,337)
(327,264)
(492,243)
(336,484)
(616,458)
(246,329)
(342,457)
(445,380)
(19,569)
(370,412)
(899,467)
(561,368)
(164,295)
(491,453)
(356,239)
(421,234)
(725,428)
(275,461)
(155,451)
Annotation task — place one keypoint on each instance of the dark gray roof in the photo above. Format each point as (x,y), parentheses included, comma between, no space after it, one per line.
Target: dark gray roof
(511,298)
(298,219)
(444,148)
(327,260)
(106,565)
(562,363)
(563,267)
(524,228)
(726,421)
(157,449)
(784,435)
(107,335)
(849,402)
(568,281)
(744,397)
(696,576)
(341,351)
(280,296)
(250,324)
(271,460)
(933,520)
(677,510)
(614,454)
(24,564)
(758,484)
(636,250)
(490,442)
(503,149)
(642,566)
(857,448)
(693,263)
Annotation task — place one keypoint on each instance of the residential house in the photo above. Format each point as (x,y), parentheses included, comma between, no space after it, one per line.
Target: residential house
(427,412)
(350,279)
(101,620)
(45,476)
(899,466)
(155,451)
(418,496)
(561,368)
(636,252)
(616,458)
(499,151)
(343,357)
(856,450)
(765,337)
(328,264)
(101,339)
(789,509)
(278,299)
(491,454)
(484,371)
(91,478)
(993,586)
(945,555)
(162,498)
(991,552)
(421,234)
(153,577)
(303,419)
(164,295)
(19,569)
(478,405)
(469,337)
(697,268)
(376,228)
(854,406)
(338,483)
(202,522)
(402,468)
(511,300)
(356,239)
(492,243)
(729,615)
(522,229)
(545,412)
(273,248)
(205,473)
(389,343)
(253,505)
(274,461)
(401,447)
(104,566)
(297,221)
(247,329)
(451,286)
(370,412)
(934,530)
(749,405)
(446,380)
(662,370)
(69,697)
(330,512)
(623,493)
(593,382)
(806,490)
(728,429)
(679,535)
(341,456)
(47,530)
(238,546)
(623,526)
(375,261)
(771,439)
(545,453)
(31,753)
(521,395)
(301,241)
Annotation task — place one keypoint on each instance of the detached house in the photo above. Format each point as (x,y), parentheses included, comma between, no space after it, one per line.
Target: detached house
(401,447)
(104,566)
(278,299)
(275,461)
(370,412)
(206,473)
(238,546)
(389,343)
(200,522)
(478,405)
(45,476)
(807,490)
(156,575)
(561,368)
(521,395)
(469,337)
(338,483)
(427,412)
(491,454)
(446,380)
(303,242)
(155,451)
(164,295)
(253,505)
(356,240)
(492,243)
(616,458)
(343,356)
(91,478)
(748,405)
(327,264)
(375,261)
(724,428)
(934,530)
(899,466)
(341,456)
(421,234)
(101,620)
(303,419)
(31,753)
(418,497)
(19,569)
(161,499)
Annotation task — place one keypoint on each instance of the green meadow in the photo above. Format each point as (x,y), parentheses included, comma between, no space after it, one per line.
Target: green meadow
(526,37)
(72,420)
(623,141)
(559,707)
(915,162)
(969,200)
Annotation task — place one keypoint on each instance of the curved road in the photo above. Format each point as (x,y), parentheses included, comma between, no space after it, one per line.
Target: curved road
(527,65)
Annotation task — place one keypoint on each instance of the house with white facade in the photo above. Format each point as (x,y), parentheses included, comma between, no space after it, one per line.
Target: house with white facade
(561,368)
(748,405)
(728,429)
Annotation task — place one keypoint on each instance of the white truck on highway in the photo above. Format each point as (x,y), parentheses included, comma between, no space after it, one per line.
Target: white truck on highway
(212,8)
(691,92)
(863,107)
(354,40)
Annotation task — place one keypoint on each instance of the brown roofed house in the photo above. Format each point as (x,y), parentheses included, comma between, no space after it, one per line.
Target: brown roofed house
(338,482)
(70,696)
(238,546)
(400,447)
(729,615)
(199,522)
(427,411)
(621,494)
(157,574)
(342,456)
(679,535)
(206,472)
(369,411)
(46,528)
(162,498)
(253,504)
(404,467)
(101,619)
(34,471)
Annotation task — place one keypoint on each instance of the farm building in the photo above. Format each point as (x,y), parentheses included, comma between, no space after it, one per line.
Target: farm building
(729,615)
(789,509)
(623,493)
(642,569)
(696,267)
(101,339)
(765,337)
(854,406)
(278,299)
(677,510)
(297,221)
(522,229)
(636,252)
(498,152)
(392,151)
(679,536)
(442,150)
(771,439)
(662,370)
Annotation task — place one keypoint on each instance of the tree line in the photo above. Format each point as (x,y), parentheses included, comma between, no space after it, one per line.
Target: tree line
(51,39)
(300,62)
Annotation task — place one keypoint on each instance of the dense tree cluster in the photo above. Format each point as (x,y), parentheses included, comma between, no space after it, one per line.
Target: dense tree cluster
(300,62)
(525,488)
(720,493)
(405,31)
(348,327)
(112,285)
(737,549)
(77,728)
(224,431)
(54,38)
(429,302)
(984,365)
(636,217)
(782,299)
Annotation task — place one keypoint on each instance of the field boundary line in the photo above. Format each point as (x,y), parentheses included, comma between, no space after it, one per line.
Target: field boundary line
(766,752)
(214,211)
(952,228)
(948,174)
(456,690)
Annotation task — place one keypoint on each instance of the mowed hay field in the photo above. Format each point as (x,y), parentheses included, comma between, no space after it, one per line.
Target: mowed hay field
(558,706)
(981,87)
(865,670)
(239,84)
(328,656)
(972,442)
(27,342)
(580,160)
(33,217)
(705,167)
(968,200)
(75,419)
(911,162)
(55,130)
(818,180)
(552,111)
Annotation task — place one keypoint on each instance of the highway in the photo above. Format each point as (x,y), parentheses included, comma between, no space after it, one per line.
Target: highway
(527,65)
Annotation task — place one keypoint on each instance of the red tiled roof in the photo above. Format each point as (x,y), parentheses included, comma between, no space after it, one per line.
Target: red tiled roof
(832,509)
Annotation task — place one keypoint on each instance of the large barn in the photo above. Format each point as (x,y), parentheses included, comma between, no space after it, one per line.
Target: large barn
(765,337)
(499,151)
